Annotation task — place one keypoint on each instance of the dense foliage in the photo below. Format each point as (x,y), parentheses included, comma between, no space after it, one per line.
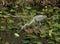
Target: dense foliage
(46,33)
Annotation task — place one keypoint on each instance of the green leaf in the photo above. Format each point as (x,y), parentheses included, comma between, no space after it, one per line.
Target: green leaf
(12,10)
(16,34)
(50,10)
(10,21)
(0,12)
(50,32)
(33,36)
(26,41)
(28,7)
(38,42)
(57,39)
(56,25)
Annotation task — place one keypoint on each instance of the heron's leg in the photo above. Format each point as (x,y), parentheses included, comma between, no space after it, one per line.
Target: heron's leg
(36,30)
(40,24)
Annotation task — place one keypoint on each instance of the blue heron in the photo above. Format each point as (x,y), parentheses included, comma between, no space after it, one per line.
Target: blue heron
(37,18)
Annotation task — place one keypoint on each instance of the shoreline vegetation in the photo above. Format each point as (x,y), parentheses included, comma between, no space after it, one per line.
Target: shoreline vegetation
(15,13)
